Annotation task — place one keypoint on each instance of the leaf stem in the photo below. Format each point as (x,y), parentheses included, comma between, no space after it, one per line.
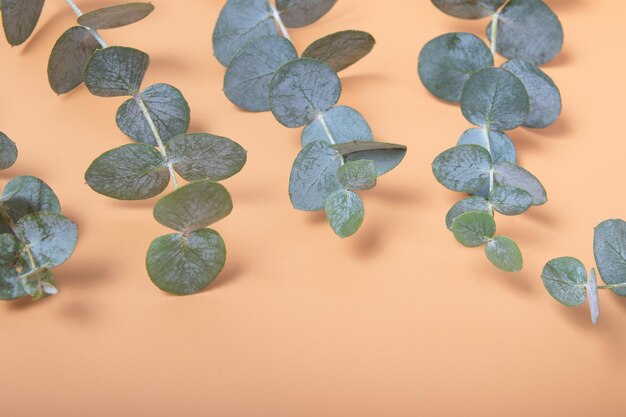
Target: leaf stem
(612,286)
(494,33)
(93,32)
(488,146)
(279,21)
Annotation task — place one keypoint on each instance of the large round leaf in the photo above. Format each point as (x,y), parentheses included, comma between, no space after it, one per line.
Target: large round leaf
(495,99)
(510,201)
(341,49)
(115,16)
(446,63)
(303,89)
(298,13)
(468,9)
(50,236)
(504,254)
(512,175)
(69,57)
(24,195)
(8,151)
(344,124)
(498,144)
(609,247)
(386,156)
(19,18)
(474,228)
(473,203)
(345,212)
(186,264)
(194,206)
(464,168)
(116,71)
(565,280)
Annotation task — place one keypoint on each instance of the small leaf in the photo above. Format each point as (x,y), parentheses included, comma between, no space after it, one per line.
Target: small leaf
(504,254)
(50,236)
(10,249)
(358,175)
(186,264)
(199,156)
(594,302)
(386,156)
(510,201)
(472,9)
(193,206)
(8,152)
(545,98)
(10,284)
(345,212)
(565,279)
(298,13)
(474,228)
(130,172)
(239,22)
(167,107)
(115,16)
(512,175)
(19,18)
(446,63)
(495,99)
(248,77)
(341,49)
(303,89)
(314,176)
(116,71)
(69,57)
(464,168)
(498,144)
(25,195)
(609,247)
(528,30)
(39,283)
(344,123)
(474,203)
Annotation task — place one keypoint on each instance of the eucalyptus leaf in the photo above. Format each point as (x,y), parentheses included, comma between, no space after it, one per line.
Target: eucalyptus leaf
(592,292)
(473,228)
(186,264)
(69,57)
(468,9)
(528,30)
(386,156)
(131,172)
(510,201)
(609,247)
(447,62)
(512,175)
(504,254)
(51,237)
(193,206)
(345,212)
(167,107)
(8,152)
(314,176)
(115,16)
(19,18)
(303,89)
(239,22)
(25,195)
(198,156)
(565,279)
(10,284)
(495,99)
(473,203)
(358,175)
(10,249)
(498,144)
(298,13)
(248,76)
(39,283)
(464,168)
(116,71)
(341,49)
(344,124)
(545,98)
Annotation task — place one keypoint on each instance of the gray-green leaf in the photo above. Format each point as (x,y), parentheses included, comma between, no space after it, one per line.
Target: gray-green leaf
(592,292)
(344,123)
(39,283)
(115,16)
(298,13)
(386,156)
(446,63)
(474,203)
(345,212)
(473,228)
(358,175)
(510,201)
(341,49)
(8,152)
(609,247)
(468,9)
(10,249)
(24,195)
(10,284)
(504,254)
(50,236)
(19,18)
(498,144)
(131,172)
(512,175)
(464,168)
(565,280)
(116,71)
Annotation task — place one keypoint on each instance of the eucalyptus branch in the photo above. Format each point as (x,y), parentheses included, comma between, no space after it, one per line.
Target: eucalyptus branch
(93,32)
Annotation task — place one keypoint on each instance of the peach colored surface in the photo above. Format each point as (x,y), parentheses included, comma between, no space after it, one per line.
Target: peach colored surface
(399,320)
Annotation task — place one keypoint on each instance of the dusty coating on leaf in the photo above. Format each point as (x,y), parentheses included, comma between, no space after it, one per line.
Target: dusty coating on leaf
(116,71)
(609,248)
(565,280)
(463,168)
(69,57)
(298,13)
(342,49)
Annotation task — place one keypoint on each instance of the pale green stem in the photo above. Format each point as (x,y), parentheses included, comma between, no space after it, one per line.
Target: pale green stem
(612,286)
(93,32)
(488,146)
(279,21)
(330,136)
(494,33)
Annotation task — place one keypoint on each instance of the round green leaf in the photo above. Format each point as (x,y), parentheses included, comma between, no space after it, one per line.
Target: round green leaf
(474,228)
(342,49)
(298,13)
(386,156)
(19,18)
(464,168)
(498,144)
(512,175)
(248,77)
(50,236)
(199,156)
(24,195)
(344,123)
(609,247)
(10,284)
(167,107)
(69,57)
(565,280)
(115,16)
(495,99)
(130,172)
(185,265)
(193,206)
(474,203)
(592,292)
(239,22)
(8,152)
(510,201)
(303,89)
(545,98)
(345,212)
(504,254)
(446,63)
(528,30)
(472,9)
(314,176)
(116,71)
(358,175)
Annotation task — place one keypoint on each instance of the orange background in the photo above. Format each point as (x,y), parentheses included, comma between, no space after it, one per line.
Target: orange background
(399,320)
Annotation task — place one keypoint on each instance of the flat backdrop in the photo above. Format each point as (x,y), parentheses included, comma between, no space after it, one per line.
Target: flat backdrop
(399,320)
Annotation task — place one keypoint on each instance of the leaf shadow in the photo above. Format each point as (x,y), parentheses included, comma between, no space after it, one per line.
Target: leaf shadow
(521,282)
(367,242)
(316,217)
(91,273)
(355,80)
(232,272)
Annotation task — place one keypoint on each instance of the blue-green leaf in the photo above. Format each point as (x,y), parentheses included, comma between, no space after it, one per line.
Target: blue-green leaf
(344,124)
(512,175)
(50,236)
(592,292)
(358,175)
(19,18)
(565,279)
(464,168)
(345,212)
(298,13)
(510,201)
(498,144)
(474,228)
(116,71)
(8,152)
(341,49)
(609,247)
(474,203)
(504,254)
